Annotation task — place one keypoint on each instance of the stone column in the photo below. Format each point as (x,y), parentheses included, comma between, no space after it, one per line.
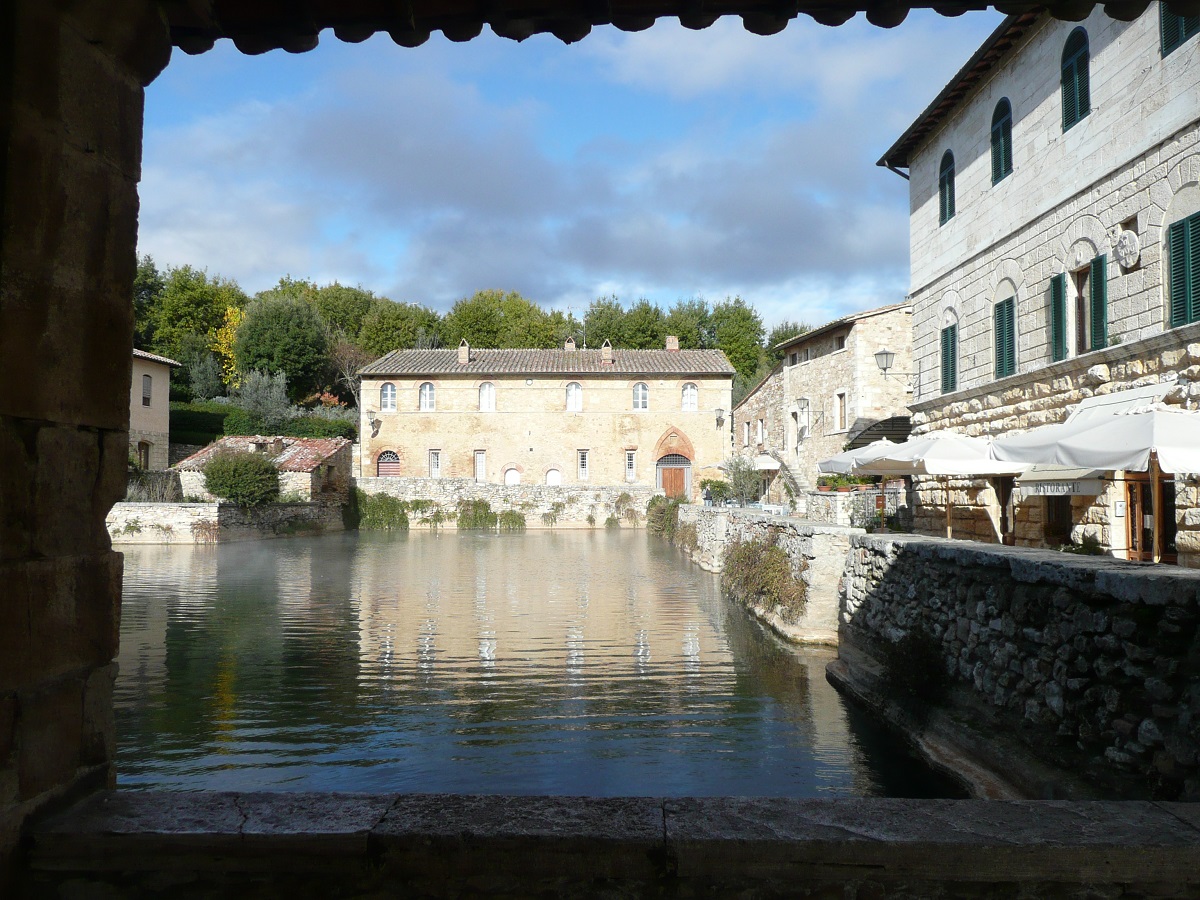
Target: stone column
(72,74)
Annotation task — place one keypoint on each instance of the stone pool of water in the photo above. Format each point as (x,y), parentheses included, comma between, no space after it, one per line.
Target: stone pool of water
(597,663)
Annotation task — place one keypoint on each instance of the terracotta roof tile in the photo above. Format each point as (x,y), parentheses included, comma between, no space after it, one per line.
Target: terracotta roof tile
(298,454)
(552,362)
(154,357)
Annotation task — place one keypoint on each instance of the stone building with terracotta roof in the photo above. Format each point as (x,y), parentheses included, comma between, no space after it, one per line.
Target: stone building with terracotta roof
(150,409)
(315,469)
(570,417)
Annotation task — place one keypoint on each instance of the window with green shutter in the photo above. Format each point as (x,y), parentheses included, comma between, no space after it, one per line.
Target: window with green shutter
(946,189)
(1176,29)
(949,359)
(1076,89)
(1183,276)
(1098,283)
(1058,317)
(1005,329)
(1002,163)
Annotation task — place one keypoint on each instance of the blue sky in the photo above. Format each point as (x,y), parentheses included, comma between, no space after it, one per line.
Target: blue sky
(666,164)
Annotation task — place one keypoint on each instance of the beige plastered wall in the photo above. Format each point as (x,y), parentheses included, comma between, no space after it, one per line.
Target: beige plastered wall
(152,423)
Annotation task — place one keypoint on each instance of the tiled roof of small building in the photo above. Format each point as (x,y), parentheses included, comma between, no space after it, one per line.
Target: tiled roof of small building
(552,362)
(297,455)
(154,357)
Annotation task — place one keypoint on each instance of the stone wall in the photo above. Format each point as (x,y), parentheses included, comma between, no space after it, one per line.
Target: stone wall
(817,551)
(180,452)
(1090,661)
(858,508)
(533,500)
(200,523)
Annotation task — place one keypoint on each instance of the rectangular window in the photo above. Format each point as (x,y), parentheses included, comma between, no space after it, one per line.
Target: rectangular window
(795,358)
(1176,29)
(435,463)
(1005,328)
(1183,263)
(1058,317)
(146,382)
(631,465)
(840,342)
(949,359)
(481,466)
(840,409)
(582,456)
(745,434)
(761,431)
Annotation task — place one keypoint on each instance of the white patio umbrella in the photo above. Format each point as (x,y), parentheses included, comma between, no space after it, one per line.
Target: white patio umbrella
(1131,440)
(844,462)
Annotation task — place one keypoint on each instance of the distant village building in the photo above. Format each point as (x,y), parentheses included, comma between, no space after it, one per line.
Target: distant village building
(311,469)
(828,392)
(570,417)
(150,409)
(1055,230)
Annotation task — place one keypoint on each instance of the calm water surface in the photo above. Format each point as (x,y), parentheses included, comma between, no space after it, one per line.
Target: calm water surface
(583,663)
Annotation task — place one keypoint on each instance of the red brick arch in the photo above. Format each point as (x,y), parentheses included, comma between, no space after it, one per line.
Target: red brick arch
(674,440)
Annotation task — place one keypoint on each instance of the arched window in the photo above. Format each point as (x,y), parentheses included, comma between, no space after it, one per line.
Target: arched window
(387,398)
(691,398)
(553,478)
(487,397)
(574,397)
(641,396)
(1002,162)
(946,189)
(1004,330)
(512,476)
(1076,89)
(388,463)
(428,401)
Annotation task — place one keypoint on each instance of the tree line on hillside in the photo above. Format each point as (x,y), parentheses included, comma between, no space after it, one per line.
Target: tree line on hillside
(319,337)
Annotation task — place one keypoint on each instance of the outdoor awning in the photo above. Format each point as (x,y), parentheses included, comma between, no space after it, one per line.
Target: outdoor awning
(1043,480)
(765,463)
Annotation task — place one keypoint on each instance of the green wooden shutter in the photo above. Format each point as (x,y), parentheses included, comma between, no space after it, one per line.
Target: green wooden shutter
(949,359)
(998,337)
(1006,344)
(1069,91)
(1193,267)
(1058,317)
(1010,363)
(997,152)
(1172,29)
(1083,102)
(1177,256)
(1098,283)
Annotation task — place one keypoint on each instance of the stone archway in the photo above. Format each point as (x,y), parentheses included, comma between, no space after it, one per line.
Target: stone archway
(674,441)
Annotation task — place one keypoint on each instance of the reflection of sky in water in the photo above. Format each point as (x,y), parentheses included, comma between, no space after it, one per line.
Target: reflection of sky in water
(592,663)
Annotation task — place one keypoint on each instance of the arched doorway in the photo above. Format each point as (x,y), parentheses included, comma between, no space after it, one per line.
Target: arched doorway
(674,475)
(512,476)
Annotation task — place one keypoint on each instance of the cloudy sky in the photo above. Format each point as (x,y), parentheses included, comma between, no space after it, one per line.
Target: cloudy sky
(665,164)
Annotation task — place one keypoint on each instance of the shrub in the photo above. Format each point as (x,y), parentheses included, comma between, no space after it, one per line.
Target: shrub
(475,515)
(744,480)
(315,426)
(511,520)
(718,487)
(380,512)
(264,397)
(247,479)
(759,573)
(550,517)
(153,487)
(202,420)
(915,668)
(662,516)
(204,375)
(686,537)
(239,421)
(612,522)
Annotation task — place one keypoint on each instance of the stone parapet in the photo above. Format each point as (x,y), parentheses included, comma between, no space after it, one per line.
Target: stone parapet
(1085,659)
(202,523)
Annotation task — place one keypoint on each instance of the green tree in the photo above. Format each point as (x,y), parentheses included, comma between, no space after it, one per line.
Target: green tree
(604,320)
(744,480)
(264,399)
(643,327)
(343,308)
(294,288)
(190,310)
(688,320)
(148,286)
(242,477)
(738,330)
(782,332)
(204,375)
(392,326)
(493,319)
(283,334)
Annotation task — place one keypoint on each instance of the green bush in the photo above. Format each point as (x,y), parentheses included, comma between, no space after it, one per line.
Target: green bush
(662,516)
(719,488)
(239,421)
(202,420)
(319,427)
(247,479)
(612,522)
(759,573)
(475,515)
(511,520)
(550,517)
(380,512)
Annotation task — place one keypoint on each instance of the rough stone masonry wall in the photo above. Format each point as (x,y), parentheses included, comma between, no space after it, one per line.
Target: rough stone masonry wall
(71,96)
(202,523)
(533,500)
(817,552)
(1091,660)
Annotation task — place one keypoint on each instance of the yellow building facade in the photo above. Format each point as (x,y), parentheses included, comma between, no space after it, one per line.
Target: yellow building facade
(565,417)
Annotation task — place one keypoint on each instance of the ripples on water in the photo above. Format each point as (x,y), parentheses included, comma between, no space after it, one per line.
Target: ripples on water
(593,663)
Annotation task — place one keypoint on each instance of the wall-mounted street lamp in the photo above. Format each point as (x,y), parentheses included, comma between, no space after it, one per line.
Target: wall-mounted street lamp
(885,359)
(720,414)
(374,421)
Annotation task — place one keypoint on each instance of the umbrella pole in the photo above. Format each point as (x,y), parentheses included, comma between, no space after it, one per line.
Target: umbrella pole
(949,527)
(1156,502)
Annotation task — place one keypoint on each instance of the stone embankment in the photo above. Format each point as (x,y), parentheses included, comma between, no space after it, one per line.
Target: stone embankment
(817,551)
(568,507)
(200,523)
(1087,662)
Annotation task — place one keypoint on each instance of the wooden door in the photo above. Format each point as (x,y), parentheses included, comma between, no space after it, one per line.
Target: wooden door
(673,482)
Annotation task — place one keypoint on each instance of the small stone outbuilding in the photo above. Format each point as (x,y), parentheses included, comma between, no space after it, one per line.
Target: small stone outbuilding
(314,469)
(150,409)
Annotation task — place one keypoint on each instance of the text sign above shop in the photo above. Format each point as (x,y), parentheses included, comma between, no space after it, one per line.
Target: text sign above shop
(1088,486)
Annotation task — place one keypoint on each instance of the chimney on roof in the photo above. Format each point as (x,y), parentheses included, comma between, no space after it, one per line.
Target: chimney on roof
(570,344)
(606,353)
(673,343)
(464,352)
(277,445)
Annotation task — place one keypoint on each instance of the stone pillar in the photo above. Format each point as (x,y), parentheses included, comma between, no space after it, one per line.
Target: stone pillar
(72,74)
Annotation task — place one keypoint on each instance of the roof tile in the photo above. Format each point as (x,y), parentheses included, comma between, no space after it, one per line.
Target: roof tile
(552,362)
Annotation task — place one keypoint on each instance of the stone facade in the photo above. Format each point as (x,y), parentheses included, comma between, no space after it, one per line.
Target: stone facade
(310,469)
(1105,190)
(208,523)
(150,410)
(827,391)
(1085,658)
(525,434)
(564,507)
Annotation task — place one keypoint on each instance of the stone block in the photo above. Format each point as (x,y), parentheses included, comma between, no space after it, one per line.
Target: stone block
(49,730)
(98,744)
(8,720)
